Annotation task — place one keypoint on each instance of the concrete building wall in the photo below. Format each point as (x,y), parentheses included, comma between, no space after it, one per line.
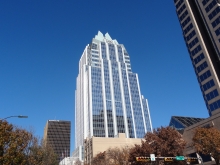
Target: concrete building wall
(95,145)
(188,134)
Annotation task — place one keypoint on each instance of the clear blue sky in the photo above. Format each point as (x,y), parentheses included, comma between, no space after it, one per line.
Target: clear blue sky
(41,42)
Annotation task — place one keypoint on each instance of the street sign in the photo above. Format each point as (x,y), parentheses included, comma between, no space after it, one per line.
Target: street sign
(152,157)
(180,158)
(192,160)
(143,159)
(168,159)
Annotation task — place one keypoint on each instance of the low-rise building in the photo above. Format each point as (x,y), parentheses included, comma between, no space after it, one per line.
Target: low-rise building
(180,122)
(213,121)
(95,145)
(68,161)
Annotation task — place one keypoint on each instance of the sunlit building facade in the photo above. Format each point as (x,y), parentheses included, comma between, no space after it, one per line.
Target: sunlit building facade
(200,23)
(108,99)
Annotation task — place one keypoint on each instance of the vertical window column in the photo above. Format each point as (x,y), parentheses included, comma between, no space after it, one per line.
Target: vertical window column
(137,110)
(110,123)
(117,97)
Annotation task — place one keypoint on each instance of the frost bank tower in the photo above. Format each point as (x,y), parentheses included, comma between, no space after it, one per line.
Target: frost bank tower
(108,99)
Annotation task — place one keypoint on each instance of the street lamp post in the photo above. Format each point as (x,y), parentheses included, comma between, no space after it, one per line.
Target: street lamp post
(19,116)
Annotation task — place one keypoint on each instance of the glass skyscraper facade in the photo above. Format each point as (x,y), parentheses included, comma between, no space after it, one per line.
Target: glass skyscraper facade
(200,23)
(108,99)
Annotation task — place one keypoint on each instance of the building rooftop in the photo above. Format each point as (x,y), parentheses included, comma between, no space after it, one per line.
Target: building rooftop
(107,37)
(183,122)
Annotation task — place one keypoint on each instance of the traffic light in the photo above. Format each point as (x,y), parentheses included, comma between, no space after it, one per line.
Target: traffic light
(192,160)
(168,159)
(143,159)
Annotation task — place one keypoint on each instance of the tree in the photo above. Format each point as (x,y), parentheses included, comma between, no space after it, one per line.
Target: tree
(163,142)
(99,159)
(20,147)
(13,142)
(139,150)
(207,141)
(118,156)
(78,162)
(112,156)
(41,153)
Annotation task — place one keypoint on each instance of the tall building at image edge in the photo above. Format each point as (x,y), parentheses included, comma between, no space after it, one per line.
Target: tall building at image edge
(108,99)
(200,23)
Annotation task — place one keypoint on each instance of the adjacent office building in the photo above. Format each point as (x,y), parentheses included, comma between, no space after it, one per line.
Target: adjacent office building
(200,23)
(95,145)
(57,135)
(180,122)
(108,98)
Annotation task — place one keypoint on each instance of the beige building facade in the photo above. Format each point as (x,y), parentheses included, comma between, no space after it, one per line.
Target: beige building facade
(213,121)
(95,145)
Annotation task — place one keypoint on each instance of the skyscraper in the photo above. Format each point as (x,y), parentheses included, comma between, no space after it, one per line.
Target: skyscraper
(57,134)
(108,99)
(200,23)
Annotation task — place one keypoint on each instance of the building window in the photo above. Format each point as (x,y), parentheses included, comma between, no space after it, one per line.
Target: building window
(175,1)
(214,105)
(214,13)
(190,35)
(112,55)
(216,22)
(179,4)
(208,85)
(186,22)
(199,58)
(204,2)
(212,95)
(202,66)
(103,47)
(183,15)
(205,75)
(181,9)
(95,52)
(210,6)
(217,32)
(95,55)
(95,60)
(193,42)
(196,50)
(188,28)
(94,46)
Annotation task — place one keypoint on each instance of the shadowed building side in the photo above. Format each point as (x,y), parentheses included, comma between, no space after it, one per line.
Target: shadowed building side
(57,135)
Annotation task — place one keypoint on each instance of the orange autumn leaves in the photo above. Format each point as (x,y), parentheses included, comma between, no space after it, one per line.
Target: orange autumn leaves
(207,141)
(164,142)
(20,147)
